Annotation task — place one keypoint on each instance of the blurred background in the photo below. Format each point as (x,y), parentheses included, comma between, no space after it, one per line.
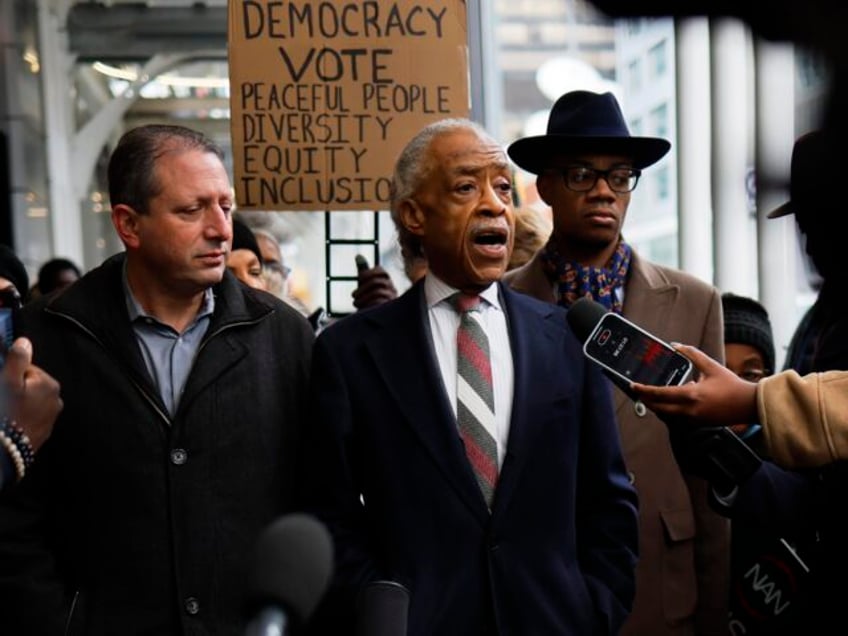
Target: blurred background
(75,74)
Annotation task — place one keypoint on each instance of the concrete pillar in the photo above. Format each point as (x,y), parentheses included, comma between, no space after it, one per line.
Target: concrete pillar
(693,146)
(57,66)
(735,226)
(485,80)
(775,107)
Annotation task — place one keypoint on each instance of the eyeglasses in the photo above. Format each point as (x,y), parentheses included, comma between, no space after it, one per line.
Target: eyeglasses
(583,179)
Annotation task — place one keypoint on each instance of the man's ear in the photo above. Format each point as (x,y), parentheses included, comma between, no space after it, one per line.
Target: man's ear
(412,217)
(125,220)
(544,183)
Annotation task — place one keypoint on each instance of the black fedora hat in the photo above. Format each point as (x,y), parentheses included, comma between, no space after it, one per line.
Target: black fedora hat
(810,153)
(586,122)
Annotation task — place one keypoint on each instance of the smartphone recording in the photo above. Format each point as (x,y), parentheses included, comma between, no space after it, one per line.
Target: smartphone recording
(632,354)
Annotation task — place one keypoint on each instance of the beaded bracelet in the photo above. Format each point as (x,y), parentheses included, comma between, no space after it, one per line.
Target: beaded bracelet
(18,445)
(14,453)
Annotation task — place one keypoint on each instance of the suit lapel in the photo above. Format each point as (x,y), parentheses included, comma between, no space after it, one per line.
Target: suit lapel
(401,336)
(648,302)
(533,337)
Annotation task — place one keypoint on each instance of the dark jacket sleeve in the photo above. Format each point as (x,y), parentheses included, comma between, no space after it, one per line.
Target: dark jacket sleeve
(32,596)
(328,489)
(607,510)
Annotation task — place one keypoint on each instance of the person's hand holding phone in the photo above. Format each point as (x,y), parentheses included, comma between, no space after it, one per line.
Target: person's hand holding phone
(10,306)
(375,285)
(719,397)
(628,354)
(32,395)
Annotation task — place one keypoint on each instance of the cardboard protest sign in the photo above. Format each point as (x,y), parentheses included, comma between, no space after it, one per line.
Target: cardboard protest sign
(325,94)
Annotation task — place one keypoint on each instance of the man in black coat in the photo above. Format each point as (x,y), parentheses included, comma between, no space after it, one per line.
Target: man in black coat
(182,392)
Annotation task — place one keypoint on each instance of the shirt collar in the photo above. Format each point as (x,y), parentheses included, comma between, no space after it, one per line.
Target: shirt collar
(436,291)
(136,311)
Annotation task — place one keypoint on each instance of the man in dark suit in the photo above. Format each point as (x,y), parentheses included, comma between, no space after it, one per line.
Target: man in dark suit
(527,526)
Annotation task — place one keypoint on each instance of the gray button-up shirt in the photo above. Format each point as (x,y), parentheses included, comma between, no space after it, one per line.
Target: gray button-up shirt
(168,355)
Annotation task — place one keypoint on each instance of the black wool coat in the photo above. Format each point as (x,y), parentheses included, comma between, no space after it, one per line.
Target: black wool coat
(132,521)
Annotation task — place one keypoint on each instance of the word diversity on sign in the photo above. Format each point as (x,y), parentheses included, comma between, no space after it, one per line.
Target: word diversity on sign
(325,94)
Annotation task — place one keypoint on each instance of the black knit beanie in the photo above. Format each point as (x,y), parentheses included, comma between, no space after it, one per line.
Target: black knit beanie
(244,239)
(13,269)
(746,322)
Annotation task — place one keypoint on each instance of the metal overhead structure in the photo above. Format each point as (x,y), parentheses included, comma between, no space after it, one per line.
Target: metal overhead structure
(136,31)
(157,37)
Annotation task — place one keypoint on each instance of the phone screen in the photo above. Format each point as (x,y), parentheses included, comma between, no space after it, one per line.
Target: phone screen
(10,303)
(634,355)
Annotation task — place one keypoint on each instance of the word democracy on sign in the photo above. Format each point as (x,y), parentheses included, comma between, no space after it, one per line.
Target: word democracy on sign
(288,20)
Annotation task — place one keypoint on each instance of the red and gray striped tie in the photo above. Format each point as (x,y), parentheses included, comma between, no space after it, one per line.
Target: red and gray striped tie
(475,403)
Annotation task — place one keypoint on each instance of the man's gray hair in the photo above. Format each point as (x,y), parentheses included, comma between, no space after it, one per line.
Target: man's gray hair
(412,169)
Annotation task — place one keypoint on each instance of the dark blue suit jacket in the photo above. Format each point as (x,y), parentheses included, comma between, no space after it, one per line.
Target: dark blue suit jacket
(557,553)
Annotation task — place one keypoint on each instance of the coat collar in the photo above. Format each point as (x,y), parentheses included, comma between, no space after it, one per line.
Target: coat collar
(96,304)
(97,301)
(649,300)
(649,297)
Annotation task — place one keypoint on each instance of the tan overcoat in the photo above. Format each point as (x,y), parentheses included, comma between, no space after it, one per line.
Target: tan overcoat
(805,419)
(683,573)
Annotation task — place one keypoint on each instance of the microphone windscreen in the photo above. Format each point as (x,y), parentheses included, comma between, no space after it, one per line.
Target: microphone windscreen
(583,316)
(291,566)
(382,609)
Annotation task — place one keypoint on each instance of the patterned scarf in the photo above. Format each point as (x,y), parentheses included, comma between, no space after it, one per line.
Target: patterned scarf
(575,281)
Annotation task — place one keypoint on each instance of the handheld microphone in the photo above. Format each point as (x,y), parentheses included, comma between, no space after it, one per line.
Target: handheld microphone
(583,316)
(289,572)
(382,609)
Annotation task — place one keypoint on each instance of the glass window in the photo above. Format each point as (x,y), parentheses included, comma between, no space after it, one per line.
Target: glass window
(662,184)
(636,127)
(634,25)
(662,249)
(657,58)
(634,76)
(659,120)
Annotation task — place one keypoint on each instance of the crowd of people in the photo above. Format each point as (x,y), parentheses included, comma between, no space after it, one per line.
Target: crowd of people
(163,408)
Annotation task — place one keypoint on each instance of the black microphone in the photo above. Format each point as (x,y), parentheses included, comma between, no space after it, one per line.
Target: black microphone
(289,572)
(583,316)
(382,609)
